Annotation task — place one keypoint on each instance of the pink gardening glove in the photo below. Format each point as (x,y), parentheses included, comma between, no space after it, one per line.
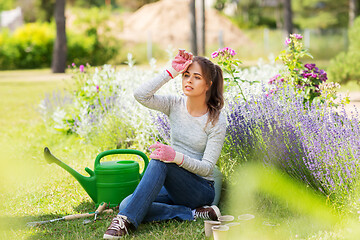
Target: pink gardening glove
(165,153)
(181,62)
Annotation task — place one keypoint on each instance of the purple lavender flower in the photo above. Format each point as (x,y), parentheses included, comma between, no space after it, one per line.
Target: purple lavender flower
(162,124)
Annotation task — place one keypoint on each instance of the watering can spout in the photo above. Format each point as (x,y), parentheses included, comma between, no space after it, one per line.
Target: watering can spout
(88,183)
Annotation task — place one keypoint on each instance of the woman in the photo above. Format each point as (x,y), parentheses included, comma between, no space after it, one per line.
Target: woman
(178,183)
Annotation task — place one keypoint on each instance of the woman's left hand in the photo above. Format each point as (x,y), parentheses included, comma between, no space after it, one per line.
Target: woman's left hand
(166,154)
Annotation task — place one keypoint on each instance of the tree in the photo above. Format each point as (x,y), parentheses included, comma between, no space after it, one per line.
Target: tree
(58,64)
(288,22)
(193,39)
(202,47)
(352,11)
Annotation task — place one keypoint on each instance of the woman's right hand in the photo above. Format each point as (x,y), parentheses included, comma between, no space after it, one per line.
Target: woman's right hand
(182,61)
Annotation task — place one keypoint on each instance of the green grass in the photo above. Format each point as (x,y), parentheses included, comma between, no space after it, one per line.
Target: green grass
(31,190)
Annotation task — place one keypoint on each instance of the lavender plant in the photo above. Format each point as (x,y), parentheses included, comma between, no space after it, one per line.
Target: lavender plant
(318,146)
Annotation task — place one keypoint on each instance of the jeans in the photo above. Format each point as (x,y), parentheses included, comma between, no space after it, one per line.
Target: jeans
(166,191)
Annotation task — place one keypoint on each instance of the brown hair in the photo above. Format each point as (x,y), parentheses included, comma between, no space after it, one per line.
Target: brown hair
(214,78)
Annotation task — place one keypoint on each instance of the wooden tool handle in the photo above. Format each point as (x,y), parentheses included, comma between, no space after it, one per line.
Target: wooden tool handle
(76,216)
(101,207)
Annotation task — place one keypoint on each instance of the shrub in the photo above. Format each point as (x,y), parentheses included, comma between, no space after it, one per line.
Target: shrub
(34,42)
(345,66)
(31,45)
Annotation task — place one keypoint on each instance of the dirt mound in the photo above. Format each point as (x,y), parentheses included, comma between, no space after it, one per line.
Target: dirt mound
(168,23)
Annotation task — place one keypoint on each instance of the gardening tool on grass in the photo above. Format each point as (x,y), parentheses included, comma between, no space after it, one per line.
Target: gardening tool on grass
(111,181)
(99,210)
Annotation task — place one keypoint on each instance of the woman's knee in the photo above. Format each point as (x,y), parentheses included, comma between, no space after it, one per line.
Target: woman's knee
(155,163)
(124,202)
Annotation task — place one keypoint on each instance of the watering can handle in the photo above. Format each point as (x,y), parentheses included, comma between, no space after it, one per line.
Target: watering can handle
(123,151)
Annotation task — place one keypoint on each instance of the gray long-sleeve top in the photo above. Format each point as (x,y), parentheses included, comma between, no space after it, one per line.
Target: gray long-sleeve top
(200,144)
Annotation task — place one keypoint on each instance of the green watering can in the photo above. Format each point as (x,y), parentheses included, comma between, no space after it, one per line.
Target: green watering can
(111,181)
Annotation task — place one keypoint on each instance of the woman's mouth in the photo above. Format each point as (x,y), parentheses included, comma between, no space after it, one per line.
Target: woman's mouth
(188,88)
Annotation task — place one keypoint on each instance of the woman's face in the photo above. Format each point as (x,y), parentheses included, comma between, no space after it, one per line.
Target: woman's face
(193,81)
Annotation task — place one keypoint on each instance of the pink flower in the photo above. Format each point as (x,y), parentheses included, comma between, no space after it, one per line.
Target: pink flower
(73,64)
(298,36)
(215,54)
(97,88)
(81,68)
(287,41)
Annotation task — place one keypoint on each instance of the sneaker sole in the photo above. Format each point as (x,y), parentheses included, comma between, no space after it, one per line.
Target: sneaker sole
(106,236)
(217,211)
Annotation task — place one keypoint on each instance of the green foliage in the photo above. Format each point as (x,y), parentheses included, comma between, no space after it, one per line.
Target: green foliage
(345,66)
(31,45)
(80,48)
(307,14)
(46,10)
(93,24)
(320,14)
(6,5)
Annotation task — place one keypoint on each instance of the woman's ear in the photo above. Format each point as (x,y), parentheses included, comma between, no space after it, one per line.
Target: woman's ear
(209,86)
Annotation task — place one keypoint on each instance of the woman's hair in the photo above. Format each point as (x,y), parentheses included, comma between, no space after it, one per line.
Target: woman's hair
(214,78)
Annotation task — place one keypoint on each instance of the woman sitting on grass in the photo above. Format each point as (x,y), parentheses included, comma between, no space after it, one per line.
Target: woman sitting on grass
(178,182)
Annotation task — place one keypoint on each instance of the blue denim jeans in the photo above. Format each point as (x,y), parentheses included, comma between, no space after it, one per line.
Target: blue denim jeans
(166,191)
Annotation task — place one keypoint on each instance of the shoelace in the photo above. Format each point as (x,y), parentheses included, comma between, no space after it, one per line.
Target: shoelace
(120,224)
(203,215)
